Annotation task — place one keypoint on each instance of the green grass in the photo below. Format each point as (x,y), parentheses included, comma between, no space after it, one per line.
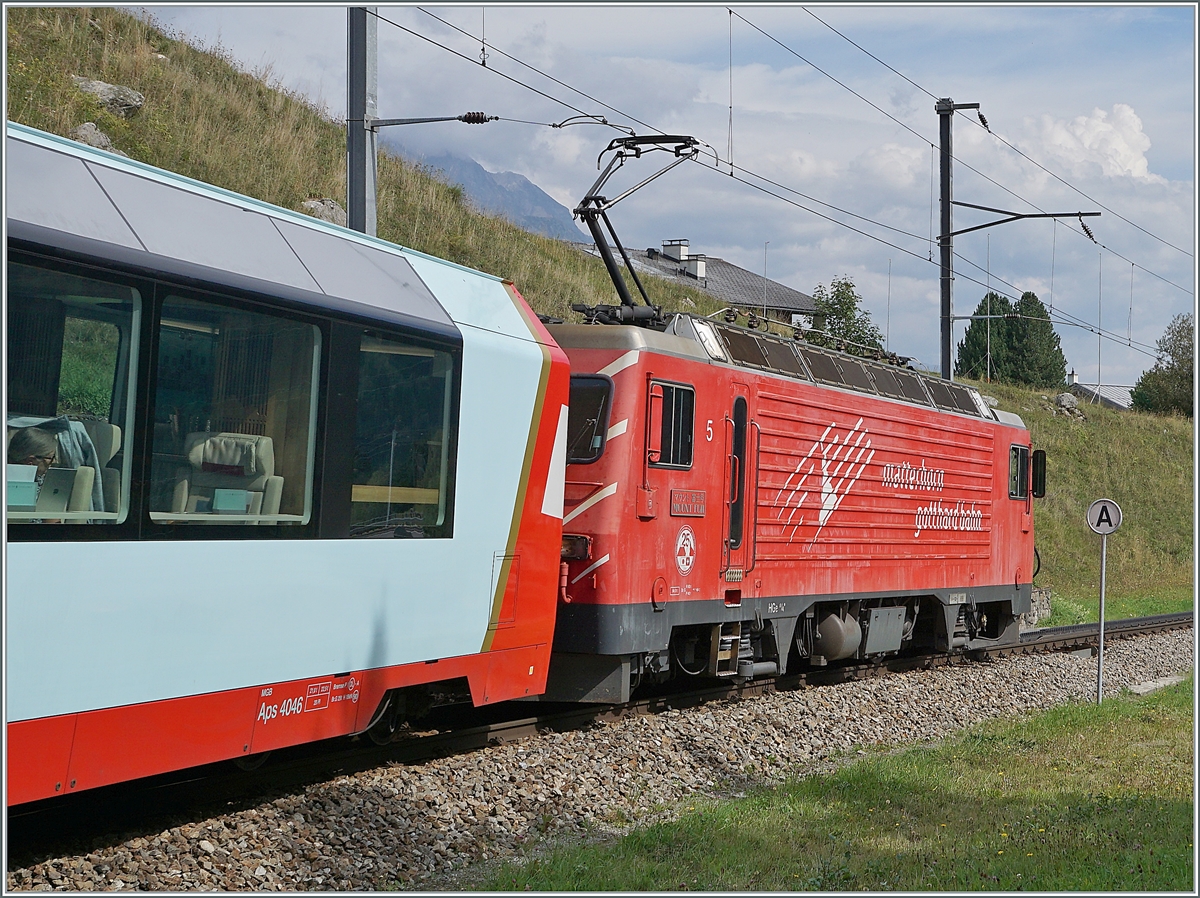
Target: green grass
(89,361)
(1144,463)
(1079,798)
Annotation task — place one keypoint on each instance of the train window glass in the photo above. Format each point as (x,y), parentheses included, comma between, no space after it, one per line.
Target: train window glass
(402,462)
(942,395)
(72,345)
(963,400)
(1018,472)
(679,404)
(886,382)
(587,421)
(234,416)
(737,474)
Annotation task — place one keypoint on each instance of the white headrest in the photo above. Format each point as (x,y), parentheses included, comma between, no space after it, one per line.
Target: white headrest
(241,454)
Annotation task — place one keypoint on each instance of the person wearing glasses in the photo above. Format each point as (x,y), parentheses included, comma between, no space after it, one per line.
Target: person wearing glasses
(33,446)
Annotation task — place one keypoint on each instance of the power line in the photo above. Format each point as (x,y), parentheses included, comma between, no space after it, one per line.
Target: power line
(533,68)
(430,40)
(999,138)
(743,170)
(924,139)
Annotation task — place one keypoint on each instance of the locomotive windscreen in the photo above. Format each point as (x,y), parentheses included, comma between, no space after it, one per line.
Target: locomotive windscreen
(587,420)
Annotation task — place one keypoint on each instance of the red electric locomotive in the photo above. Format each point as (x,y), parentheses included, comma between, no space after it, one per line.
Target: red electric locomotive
(737,503)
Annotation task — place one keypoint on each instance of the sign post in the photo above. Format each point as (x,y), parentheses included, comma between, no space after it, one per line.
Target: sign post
(1104,517)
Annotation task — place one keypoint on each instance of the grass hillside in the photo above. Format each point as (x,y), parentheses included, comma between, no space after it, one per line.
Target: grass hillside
(206,119)
(1144,463)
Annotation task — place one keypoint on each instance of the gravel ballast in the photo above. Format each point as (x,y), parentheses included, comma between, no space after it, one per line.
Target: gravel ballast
(410,826)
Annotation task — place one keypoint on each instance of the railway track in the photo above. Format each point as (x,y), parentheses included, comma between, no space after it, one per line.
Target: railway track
(76,824)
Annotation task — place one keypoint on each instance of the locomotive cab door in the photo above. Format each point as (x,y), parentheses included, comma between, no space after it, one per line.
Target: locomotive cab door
(740,492)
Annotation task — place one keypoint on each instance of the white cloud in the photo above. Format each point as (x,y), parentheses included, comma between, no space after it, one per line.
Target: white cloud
(894,165)
(1115,142)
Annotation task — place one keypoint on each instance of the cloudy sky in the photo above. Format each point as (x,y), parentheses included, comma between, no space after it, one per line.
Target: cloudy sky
(1097,102)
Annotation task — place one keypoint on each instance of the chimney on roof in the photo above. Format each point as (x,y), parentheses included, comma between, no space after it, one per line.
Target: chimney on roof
(675,249)
(695,265)
(1072,379)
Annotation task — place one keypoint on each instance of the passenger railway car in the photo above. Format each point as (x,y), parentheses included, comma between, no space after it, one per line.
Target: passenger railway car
(739,503)
(291,471)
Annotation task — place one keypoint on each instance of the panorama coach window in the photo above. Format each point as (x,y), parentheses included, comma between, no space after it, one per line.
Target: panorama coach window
(587,421)
(234,416)
(678,410)
(72,355)
(1018,472)
(402,461)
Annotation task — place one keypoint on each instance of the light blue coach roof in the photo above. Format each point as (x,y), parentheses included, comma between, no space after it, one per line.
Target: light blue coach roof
(66,186)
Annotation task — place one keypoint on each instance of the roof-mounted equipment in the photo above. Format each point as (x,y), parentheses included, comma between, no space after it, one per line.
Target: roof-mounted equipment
(594,208)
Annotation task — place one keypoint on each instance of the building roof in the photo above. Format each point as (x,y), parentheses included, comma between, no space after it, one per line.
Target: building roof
(724,281)
(1108,395)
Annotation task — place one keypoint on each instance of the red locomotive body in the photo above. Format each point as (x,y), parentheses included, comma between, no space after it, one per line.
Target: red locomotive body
(744,501)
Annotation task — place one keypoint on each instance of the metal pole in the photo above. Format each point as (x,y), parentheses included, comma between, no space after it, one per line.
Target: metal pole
(1100,655)
(945,109)
(361,110)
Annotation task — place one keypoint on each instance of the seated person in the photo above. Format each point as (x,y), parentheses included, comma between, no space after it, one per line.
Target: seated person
(33,446)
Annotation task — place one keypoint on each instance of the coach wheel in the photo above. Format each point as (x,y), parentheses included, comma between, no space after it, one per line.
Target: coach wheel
(251,762)
(388,719)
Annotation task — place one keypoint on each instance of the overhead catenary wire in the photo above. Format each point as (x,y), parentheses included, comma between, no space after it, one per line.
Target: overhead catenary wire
(463,56)
(654,128)
(531,68)
(960,161)
(717,159)
(985,126)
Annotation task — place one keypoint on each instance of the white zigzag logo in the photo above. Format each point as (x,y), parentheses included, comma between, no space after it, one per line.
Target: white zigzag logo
(826,461)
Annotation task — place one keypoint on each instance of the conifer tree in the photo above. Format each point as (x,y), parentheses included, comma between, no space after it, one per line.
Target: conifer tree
(1035,352)
(973,348)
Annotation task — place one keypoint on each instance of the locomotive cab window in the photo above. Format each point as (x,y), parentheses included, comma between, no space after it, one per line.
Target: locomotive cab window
(587,420)
(675,404)
(234,416)
(403,461)
(1018,472)
(72,351)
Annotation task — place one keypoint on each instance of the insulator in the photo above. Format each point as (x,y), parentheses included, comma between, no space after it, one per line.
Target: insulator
(475,118)
(983,121)
(1088,231)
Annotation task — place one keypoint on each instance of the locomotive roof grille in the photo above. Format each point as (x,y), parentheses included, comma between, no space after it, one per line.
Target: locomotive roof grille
(805,361)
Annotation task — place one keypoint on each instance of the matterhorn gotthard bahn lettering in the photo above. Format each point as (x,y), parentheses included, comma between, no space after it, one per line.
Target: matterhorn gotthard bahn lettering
(836,462)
